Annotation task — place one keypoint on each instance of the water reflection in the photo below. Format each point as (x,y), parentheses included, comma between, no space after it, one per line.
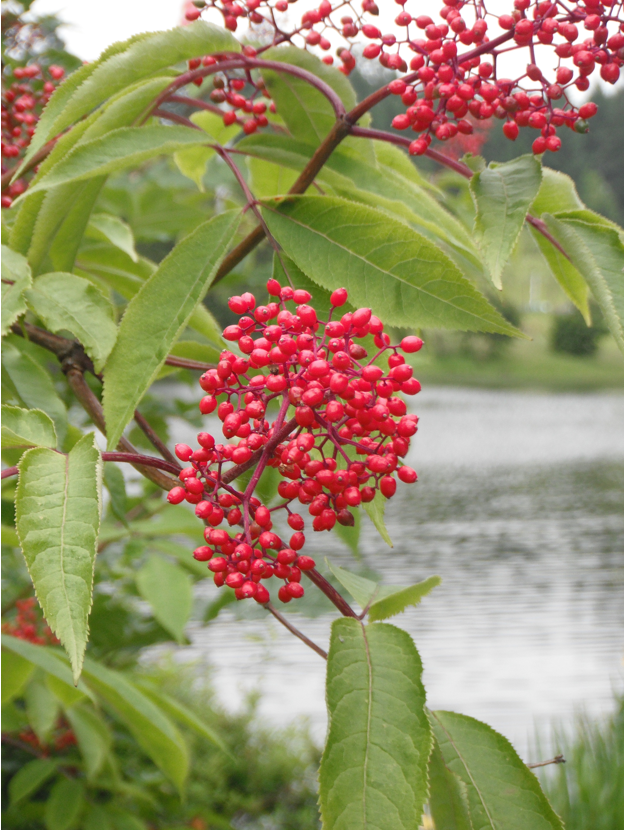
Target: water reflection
(520,508)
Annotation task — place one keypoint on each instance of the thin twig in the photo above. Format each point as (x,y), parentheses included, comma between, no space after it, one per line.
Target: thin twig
(276,439)
(558,759)
(278,616)
(135,458)
(10,471)
(151,435)
(187,363)
(331,593)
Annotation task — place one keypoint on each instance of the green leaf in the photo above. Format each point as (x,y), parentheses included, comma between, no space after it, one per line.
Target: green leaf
(351,535)
(66,302)
(157,315)
(375,510)
(29,778)
(565,273)
(402,276)
(597,251)
(374,767)
(183,715)
(168,590)
(57,519)
(557,193)
(50,660)
(66,695)
(204,323)
(382,601)
(16,278)
(193,350)
(65,804)
(107,266)
(308,114)
(268,179)
(397,602)
(35,386)
(502,792)
(448,799)
(123,64)
(93,736)
(15,675)
(118,149)
(192,161)
(105,226)
(42,708)
(503,194)
(116,486)
(9,537)
(26,428)
(153,730)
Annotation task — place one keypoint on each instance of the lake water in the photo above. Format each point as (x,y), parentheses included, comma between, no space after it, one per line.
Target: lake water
(520,508)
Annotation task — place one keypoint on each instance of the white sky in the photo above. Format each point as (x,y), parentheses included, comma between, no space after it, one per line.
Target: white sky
(92,25)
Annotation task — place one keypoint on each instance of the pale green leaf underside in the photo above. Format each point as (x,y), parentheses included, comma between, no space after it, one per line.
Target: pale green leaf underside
(382,601)
(375,511)
(503,194)
(503,794)
(51,661)
(557,193)
(16,278)
(105,226)
(67,302)
(384,264)
(157,315)
(167,588)
(58,517)
(373,773)
(597,252)
(93,736)
(27,428)
(565,273)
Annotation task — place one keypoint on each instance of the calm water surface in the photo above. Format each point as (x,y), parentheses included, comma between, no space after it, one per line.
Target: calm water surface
(520,509)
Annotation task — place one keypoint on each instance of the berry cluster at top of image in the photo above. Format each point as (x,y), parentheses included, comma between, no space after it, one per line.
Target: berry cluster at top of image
(341,447)
(450,58)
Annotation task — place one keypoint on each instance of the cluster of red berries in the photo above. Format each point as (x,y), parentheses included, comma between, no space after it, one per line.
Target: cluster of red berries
(22,103)
(447,83)
(341,447)
(63,738)
(28,624)
(227,89)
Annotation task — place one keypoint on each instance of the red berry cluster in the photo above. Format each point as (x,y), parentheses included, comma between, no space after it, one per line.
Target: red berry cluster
(22,102)
(445,88)
(228,89)
(28,624)
(340,448)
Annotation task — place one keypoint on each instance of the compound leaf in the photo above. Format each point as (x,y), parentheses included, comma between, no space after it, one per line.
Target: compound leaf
(374,767)
(57,520)
(157,315)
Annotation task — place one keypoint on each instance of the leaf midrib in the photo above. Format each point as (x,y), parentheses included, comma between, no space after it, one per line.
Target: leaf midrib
(368,724)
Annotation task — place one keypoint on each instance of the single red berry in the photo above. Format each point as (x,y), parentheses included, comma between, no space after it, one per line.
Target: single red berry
(176,495)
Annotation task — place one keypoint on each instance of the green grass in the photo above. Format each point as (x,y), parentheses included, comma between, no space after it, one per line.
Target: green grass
(522,364)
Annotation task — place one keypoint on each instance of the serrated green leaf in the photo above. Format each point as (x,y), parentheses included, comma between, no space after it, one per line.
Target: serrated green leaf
(597,252)
(192,161)
(16,672)
(503,194)
(29,778)
(448,798)
(557,193)
(50,660)
(26,428)
(565,273)
(93,736)
(386,607)
(375,510)
(65,804)
(153,730)
(158,314)
(115,230)
(42,708)
(502,792)
(167,588)
(374,767)
(308,114)
(116,486)
(118,149)
(71,303)
(16,278)
(57,518)
(35,386)
(183,715)
(401,275)
(124,63)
